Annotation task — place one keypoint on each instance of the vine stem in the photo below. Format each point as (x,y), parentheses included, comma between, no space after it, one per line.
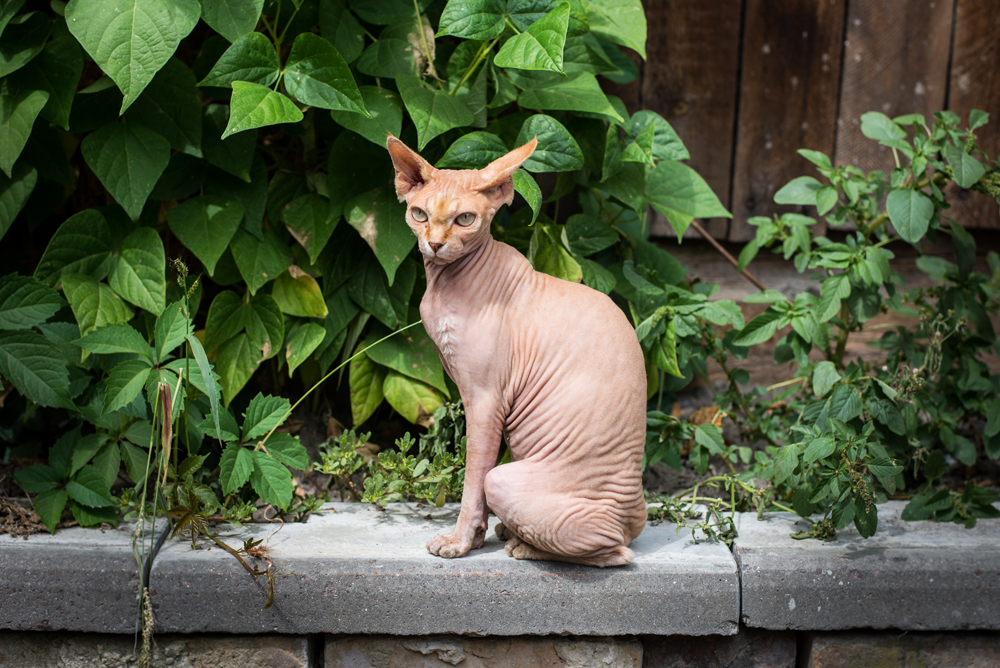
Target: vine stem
(726,254)
(486,48)
(423,40)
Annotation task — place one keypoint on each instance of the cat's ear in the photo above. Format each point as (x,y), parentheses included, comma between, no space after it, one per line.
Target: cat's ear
(498,174)
(412,171)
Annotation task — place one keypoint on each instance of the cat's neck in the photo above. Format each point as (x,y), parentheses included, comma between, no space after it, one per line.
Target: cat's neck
(493,269)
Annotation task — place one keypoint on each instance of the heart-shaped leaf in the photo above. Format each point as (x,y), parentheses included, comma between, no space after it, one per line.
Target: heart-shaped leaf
(315,74)
(302,343)
(128,159)
(910,212)
(251,58)
(94,304)
(472,19)
(386,115)
(259,261)
(540,47)
(17,115)
(376,215)
(557,151)
(57,71)
(232,18)
(298,293)
(139,275)
(255,106)
(309,220)
(206,225)
(14,193)
(171,107)
(433,111)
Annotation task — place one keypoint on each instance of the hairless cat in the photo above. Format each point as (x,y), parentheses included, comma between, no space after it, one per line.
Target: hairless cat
(550,366)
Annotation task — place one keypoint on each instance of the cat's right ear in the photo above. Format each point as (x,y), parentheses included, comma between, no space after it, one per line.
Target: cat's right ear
(412,171)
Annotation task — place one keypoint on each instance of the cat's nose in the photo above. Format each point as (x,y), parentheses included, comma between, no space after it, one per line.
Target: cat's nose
(434,246)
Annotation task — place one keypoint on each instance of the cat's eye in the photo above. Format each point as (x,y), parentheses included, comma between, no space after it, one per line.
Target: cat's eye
(419,215)
(465,219)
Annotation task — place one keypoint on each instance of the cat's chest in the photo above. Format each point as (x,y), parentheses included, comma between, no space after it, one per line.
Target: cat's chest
(444,331)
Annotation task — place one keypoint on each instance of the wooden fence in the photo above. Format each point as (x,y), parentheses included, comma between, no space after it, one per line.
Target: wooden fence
(747,82)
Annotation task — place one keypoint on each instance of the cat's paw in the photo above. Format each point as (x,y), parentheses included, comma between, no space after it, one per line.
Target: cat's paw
(449,546)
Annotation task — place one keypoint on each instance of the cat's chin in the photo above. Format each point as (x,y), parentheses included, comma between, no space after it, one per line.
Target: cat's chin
(437,259)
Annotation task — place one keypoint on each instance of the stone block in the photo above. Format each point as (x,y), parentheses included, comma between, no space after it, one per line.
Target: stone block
(894,650)
(445,651)
(750,648)
(99,650)
(910,575)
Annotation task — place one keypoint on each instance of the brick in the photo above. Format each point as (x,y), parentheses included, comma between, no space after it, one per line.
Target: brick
(750,648)
(895,650)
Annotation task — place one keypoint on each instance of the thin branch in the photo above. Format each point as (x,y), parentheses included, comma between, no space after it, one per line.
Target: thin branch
(750,277)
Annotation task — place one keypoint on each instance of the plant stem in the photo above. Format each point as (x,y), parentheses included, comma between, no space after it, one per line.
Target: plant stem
(512,26)
(726,254)
(838,356)
(423,40)
(485,49)
(783,383)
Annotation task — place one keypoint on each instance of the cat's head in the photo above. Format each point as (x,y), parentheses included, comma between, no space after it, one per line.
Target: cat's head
(450,210)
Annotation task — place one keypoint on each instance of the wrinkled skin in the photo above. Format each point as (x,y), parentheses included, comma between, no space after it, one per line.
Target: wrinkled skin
(552,367)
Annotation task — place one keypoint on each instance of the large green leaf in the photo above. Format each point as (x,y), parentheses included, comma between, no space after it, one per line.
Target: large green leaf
(547,255)
(251,193)
(528,188)
(365,378)
(586,235)
(386,109)
(472,19)
(171,107)
(50,505)
(251,58)
(94,304)
(383,12)
(116,338)
(81,245)
(681,194)
(14,193)
(255,106)
(55,70)
(17,115)
(523,13)
(8,9)
(206,373)
(271,480)
(233,154)
(236,360)
(206,225)
(232,18)
(88,487)
(966,169)
(298,293)
(801,191)
(878,126)
(317,75)
(585,54)
(910,212)
(235,468)
(39,477)
(23,39)
(340,27)
(395,52)
(131,39)
(125,383)
(619,21)
(433,111)
(139,275)
(472,151)
(376,215)
(128,159)
(288,450)
(540,47)
(557,151)
(265,325)
(36,368)
(302,343)
(259,261)
(577,92)
(411,353)
(263,414)
(26,302)
(667,145)
(759,329)
(309,219)
(227,317)
(171,330)
(412,399)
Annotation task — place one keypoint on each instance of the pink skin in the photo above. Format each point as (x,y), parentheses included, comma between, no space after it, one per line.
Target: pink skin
(551,367)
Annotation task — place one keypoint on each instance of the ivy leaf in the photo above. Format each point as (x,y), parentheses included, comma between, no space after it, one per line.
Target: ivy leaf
(124,384)
(255,106)
(411,353)
(259,261)
(271,480)
(50,505)
(17,115)
(825,375)
(235,467)
(799,191)
(139,275)
(236,360)
(302,343)
(365,378)
(263,414)
(385,110)
(14,193)
(131,39)
(472,151)
(171,330)
(117,338)
(681,194)
(297,293)
(232,18)
(340,27)
(619,21)
(433,111)
(88,488)
(317,75)
(966,169)
(57,71)
(36,368)
(171,107)
(39,478)
(472,19)
(376,215)
(309,219)
(128,159)
(206,225)
(557,151)
(910,212)
(577,92)
(540,47)
(23,41)
(26,302)
(94,304)
(412,399)
(526,185)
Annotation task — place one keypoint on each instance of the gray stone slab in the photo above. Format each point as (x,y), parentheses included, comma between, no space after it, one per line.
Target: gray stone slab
(909,575)
(361,570)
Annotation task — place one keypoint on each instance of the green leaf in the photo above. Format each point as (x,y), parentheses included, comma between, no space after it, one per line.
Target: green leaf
(369,288)
(108,462)
(116,338)
(236,360)
(826,198)
(710,437)
(965,249)
(865,518)
(263,414)
(232,18)
(310,220)
(619,21)
(26,302)
(433,111)
(412,399)
(376,215)
(94,304)
(227,317)
(229,431)
(14,193)
(297,293)
(128,159)
(271,480)
(136,461)
(254,106)
(236,154)
(833,290)
(38,478)
(800,191)
(785,462)
(124,384)
(8,8)
(382,12)
(825,375)
(139,275)
(577,92)
(540,47)
(17,115)
(88,488)
(265,325)
(171,107)
(50,505)
(365,379)
(131,39)
(302,343)
(586,235)
(397,51)
(411,353)
(525,184)
(81,245)
(341,28)
(23,39)
(547,255)
(92,517)
(584,53)
(206,225)
(667,145)
(819,448)
(287,450)
(171,330)
(317,75)
(878,126)
(386,110)
(910,212)
(472,151)
(56,70)
(472,19)
(557,151)
(681,194)
(760,329)
(235,468)
(259,261)
(845,403)
(206,372)
(966,169)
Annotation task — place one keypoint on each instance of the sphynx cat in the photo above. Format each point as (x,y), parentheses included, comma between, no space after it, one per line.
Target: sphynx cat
(551,367)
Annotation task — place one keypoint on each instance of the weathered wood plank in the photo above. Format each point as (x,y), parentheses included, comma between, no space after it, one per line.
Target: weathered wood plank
(690,78)
(975,84)
(896,62)
(788,99)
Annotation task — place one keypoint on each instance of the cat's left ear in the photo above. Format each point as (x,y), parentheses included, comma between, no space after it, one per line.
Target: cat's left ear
(412,171)
(498,174)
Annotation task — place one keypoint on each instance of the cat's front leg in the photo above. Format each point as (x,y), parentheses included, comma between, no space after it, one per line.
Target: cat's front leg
(484,426)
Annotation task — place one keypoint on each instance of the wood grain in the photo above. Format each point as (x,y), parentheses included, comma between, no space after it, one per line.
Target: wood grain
(975,84)
(788,99)
(690,78)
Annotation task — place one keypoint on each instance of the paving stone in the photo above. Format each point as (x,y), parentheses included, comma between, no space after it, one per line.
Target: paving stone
(750,648)
(909,575)
(911,650)
(467,652)
(98,650)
